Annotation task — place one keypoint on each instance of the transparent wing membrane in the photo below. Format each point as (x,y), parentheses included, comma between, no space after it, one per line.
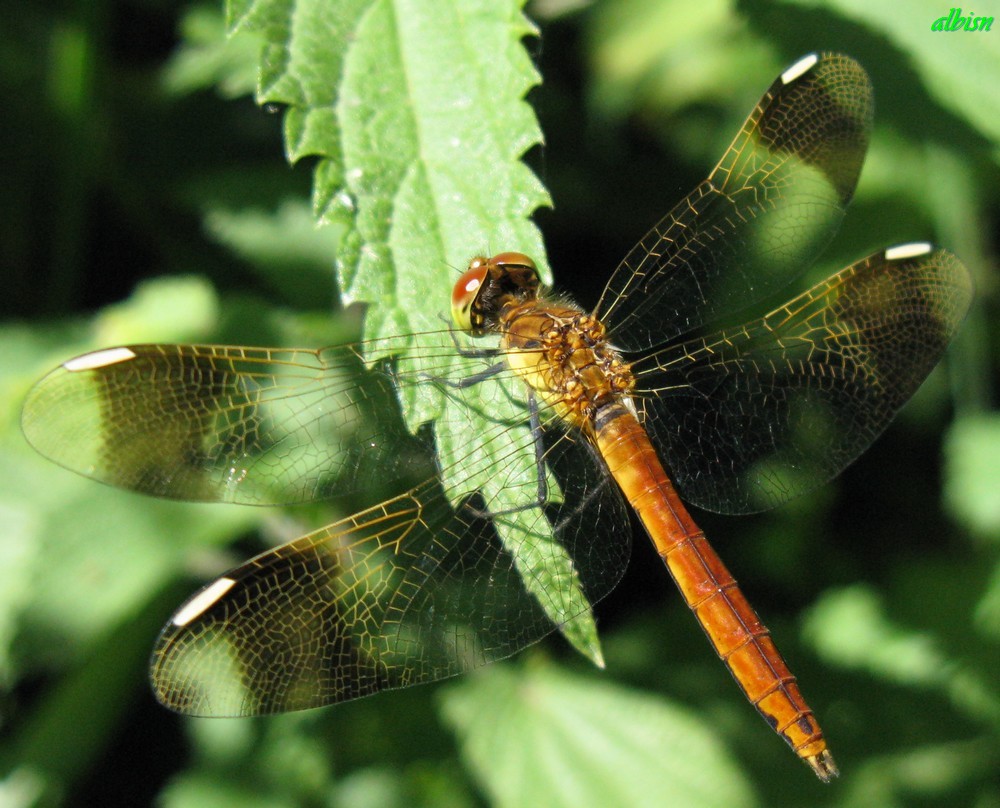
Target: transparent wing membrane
(751,416)
(412,590)
(764,213)
(255,426)
(395,594)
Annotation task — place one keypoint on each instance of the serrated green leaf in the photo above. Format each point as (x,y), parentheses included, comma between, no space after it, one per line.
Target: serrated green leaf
(544,737)
(417,114)
(418,118)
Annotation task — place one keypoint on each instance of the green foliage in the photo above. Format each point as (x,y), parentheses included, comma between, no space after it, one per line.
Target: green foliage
(545,737)
(973,474)
(131,161)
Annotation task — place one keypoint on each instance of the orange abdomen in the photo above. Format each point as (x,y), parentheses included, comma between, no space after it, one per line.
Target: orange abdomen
(739,638)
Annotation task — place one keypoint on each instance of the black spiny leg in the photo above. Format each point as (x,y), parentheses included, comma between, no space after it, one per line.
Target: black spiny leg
(534,421)
(535,424)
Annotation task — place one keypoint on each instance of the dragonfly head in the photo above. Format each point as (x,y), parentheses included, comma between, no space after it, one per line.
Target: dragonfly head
(487,286)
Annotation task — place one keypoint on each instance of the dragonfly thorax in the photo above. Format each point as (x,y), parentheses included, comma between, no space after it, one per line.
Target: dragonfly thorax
(563,354)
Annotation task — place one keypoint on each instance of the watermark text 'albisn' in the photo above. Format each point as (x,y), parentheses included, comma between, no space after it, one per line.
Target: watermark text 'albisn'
(956,22)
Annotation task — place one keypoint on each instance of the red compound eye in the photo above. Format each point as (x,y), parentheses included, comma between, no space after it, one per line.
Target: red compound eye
(465,292)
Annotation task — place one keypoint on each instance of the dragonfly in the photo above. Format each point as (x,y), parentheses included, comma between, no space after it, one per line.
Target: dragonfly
(496,456)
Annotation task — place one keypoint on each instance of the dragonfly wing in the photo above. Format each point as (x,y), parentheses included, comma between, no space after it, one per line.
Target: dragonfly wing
(751,416)
(234,424)
(765,212)
(410,591)
(481,545)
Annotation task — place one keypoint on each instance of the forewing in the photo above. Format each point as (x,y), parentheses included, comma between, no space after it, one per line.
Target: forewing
(750,416)
(233,424)
(765,212)
(413,590)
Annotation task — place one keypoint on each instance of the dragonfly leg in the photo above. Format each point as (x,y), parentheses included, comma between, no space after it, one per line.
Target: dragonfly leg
(468,381)
(471,352)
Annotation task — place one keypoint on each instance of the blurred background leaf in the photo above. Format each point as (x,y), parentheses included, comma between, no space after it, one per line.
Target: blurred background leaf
(142,182)
(540,736)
